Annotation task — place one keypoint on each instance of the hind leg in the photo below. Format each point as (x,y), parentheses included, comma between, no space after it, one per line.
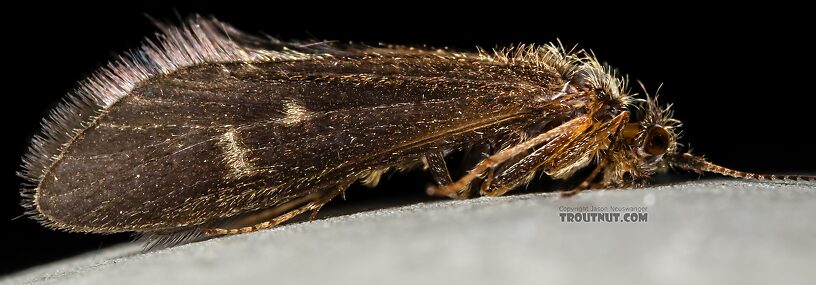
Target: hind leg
(312,202)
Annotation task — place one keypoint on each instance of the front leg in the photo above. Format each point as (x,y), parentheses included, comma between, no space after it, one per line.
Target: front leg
(560,157)
(571,128)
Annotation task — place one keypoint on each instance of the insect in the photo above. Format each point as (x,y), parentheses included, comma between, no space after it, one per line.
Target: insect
(210,130)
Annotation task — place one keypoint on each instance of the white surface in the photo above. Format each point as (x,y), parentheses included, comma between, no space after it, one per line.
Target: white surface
(700,232)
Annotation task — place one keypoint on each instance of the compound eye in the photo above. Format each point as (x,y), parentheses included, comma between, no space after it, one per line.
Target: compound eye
(657,140)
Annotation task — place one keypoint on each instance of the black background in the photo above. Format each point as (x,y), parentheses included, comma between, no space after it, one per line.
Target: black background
(740,79)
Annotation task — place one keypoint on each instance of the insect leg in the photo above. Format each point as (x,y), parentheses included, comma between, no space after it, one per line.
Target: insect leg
(456,189)
(318,199)
(561,155)
(341,190)
(588,180)
(438,168)
(472,157)
(268,224)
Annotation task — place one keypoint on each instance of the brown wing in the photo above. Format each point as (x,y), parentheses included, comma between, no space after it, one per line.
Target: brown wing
(211,141)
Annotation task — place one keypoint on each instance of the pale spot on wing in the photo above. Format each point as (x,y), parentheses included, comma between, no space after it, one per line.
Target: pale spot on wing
(236,154)
(294,113)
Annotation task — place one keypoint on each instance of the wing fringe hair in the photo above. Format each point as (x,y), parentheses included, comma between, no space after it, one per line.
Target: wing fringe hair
(199,40)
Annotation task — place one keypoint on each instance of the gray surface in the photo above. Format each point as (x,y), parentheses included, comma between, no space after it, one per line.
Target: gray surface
(702,232)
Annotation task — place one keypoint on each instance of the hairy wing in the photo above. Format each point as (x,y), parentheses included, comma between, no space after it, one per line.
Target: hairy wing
(214,140)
